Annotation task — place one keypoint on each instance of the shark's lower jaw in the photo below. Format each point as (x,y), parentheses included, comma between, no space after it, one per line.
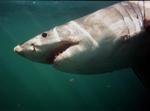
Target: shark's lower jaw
(62,46)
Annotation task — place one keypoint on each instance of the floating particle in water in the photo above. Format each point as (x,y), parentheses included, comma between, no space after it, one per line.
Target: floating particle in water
(71,80)
(18,105)
(34,2)
(108,86)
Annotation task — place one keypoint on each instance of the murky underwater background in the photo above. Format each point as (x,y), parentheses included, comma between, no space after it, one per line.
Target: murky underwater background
(25,85)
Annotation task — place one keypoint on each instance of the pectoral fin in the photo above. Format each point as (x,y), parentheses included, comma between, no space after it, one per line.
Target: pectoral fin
(143,73)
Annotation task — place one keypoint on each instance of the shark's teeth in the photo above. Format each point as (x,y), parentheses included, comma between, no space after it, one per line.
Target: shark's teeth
(56,54)
(58,58)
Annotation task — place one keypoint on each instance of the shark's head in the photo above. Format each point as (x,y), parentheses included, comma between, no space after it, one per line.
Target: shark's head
(45,47)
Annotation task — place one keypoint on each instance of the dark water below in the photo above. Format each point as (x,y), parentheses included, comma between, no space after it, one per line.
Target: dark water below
(26,86)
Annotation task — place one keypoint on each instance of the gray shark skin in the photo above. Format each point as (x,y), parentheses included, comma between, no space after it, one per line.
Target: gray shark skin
(109,39)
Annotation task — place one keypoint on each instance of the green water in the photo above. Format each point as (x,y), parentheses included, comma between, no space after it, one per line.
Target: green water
(25,85)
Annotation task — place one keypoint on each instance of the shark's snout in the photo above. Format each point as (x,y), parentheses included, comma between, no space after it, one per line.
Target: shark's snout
(18,49)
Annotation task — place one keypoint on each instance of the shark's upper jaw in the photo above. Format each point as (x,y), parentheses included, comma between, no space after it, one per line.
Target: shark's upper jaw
(46,56)
(62,46)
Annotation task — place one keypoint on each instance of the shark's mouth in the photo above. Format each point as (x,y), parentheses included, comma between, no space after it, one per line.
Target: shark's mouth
(60,48)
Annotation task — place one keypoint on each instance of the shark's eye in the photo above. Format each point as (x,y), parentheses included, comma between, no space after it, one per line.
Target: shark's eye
(44,35)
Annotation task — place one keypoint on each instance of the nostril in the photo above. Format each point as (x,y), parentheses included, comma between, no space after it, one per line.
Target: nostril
(34,50)
(32,44)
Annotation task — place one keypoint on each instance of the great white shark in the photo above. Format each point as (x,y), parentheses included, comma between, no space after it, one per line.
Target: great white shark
(109,39)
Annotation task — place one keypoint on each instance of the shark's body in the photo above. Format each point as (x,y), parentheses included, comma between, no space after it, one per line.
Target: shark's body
(109,39)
